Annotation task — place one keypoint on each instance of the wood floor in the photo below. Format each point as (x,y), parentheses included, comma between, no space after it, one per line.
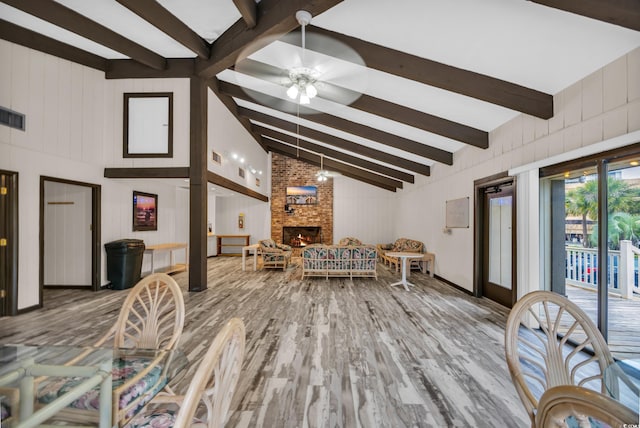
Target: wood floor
(335,353)
(624,320)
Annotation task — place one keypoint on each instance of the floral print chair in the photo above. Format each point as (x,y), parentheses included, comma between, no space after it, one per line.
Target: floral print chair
(274,255)
(404,245)
(151,317)
(213,384)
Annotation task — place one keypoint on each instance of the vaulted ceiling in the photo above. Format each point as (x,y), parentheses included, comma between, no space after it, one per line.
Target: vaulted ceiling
(402,85)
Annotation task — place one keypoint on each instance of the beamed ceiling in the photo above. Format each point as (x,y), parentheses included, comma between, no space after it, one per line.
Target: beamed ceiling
(430,76)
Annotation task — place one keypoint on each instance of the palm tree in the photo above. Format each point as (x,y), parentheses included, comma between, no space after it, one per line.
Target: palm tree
(583,201)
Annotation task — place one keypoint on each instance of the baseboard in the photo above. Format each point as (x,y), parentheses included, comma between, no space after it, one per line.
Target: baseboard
(454,285)
(29,309)
(83,287)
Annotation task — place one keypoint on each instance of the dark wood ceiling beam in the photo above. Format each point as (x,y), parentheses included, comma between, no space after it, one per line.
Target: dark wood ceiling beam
(625,13)
(130,69)
(347,171)
(57,14)
(30,39)
(168,172)
(379,107)
(233,108)
(274,17)
(335,154)
(249,11)
(440,75)
(337,142)
(424,121)
(152,12)
(221,181)
(354,128)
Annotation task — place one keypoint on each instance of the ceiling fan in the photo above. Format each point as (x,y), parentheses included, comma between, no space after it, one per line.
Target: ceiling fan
(323,175)
(300,69)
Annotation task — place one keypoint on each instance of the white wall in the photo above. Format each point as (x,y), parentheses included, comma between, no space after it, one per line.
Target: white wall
(74,126)
(257,217)
(599,108)
(363,211)
(227,136)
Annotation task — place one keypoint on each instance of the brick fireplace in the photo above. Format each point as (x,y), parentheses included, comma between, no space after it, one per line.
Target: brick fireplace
(299,237)
(292,172)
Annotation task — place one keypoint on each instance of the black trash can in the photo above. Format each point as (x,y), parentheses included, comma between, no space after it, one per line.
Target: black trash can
(124,262)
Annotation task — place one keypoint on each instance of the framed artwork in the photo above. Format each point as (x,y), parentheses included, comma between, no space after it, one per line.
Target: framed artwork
(148,125)
(302,195)
(145,211)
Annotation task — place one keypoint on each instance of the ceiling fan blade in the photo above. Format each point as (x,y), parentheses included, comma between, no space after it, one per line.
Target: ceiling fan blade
(263,71)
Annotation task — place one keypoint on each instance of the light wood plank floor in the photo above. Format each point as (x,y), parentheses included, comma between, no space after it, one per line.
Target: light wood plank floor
(624,320)
(335,353)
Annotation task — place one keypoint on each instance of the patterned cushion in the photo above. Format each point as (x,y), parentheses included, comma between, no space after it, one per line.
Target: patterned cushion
(159,418)
(268,243)
(123,369)
(408,245)
(350,241)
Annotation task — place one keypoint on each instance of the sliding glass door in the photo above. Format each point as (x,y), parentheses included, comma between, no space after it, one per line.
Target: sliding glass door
(591,241)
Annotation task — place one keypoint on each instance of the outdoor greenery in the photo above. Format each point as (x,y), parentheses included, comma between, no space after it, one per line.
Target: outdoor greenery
(623,209)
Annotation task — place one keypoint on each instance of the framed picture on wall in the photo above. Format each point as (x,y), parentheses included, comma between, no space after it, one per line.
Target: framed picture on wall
(145,211)
(302,195)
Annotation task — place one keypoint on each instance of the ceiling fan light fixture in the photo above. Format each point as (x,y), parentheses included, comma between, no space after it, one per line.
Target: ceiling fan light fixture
(311,90)
(302,84)
(292,92)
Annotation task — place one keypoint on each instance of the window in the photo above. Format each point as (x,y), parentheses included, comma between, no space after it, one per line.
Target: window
(148,125)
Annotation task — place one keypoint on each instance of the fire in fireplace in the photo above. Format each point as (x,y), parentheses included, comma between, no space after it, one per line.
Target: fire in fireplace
(301,236)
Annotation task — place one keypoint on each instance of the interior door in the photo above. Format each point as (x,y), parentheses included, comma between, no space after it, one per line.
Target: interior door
(67,235)
(498,282)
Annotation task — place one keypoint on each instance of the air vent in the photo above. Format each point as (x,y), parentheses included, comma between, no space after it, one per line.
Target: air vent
(12,119)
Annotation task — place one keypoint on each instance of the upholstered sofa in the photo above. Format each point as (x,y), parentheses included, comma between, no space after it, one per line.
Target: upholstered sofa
(339,260)
(274,255)
(403,245)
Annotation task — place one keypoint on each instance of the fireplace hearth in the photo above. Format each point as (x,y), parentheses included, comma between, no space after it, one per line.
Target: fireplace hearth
(301,236)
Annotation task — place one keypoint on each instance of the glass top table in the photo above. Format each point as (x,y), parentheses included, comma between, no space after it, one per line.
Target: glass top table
(61,376)
(622,380)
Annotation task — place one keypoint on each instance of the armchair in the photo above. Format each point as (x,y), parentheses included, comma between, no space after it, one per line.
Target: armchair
(540,328)
(274,255)
(400,245)
(151,317)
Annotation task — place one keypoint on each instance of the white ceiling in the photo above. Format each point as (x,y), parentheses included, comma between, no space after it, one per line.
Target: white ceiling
(518,41)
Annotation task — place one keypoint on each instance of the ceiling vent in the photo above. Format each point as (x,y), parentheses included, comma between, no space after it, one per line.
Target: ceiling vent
(12,118)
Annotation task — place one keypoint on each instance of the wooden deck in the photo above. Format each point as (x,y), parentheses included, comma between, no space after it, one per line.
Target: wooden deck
(624,320)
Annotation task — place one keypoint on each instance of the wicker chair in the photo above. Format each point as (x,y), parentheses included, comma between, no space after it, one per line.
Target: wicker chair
(274,255)
(151,317)
(538,344)
(213,384)
(560,403)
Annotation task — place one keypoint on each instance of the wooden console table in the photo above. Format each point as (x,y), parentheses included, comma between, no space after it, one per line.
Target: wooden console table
(239,245)
(170,248)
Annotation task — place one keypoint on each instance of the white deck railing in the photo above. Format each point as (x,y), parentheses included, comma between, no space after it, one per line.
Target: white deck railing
(582,268)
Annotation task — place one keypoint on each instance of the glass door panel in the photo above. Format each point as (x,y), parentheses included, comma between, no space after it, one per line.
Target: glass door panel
(623,244)
(500,209)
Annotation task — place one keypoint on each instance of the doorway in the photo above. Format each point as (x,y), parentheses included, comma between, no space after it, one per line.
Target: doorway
(69,234)
(495,240)
(8,243)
